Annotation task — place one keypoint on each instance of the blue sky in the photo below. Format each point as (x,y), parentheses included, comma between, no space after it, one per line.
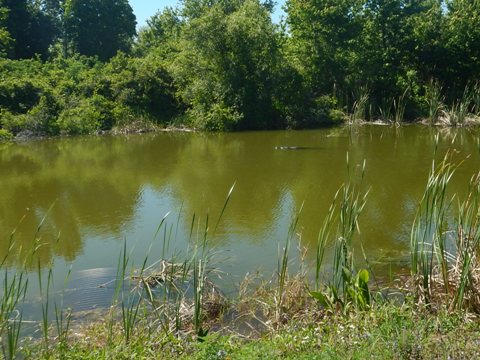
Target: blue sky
(144,9)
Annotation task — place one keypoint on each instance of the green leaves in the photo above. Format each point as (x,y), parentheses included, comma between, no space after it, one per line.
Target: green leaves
(99,27)
(229,66)
(355,292)
(202,334)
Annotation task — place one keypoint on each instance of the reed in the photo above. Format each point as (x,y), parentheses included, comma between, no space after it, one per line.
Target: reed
(467,256)
(346,285)
(445,248)
(62,322)
(282,267)
(458,113)
(181,280)
(428,236)
(435,100)
(322,239)
(15,287)
(399,107)
(351,206)
(476,98)
(44,289)
(164,273)
(202,265)
(130,297)
(385,110)
(61,316)
(14,292)
(360,106)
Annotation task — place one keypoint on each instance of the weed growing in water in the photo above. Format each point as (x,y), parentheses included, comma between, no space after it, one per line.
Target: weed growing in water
(435,101)
(399,107)
(346,286)
(360,106)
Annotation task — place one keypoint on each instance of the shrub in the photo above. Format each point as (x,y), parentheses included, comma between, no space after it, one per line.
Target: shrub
(80,119)
(41,119)
(12,123)
(18,95)
(141,84)
(219,118)
(5,135)
(324,111)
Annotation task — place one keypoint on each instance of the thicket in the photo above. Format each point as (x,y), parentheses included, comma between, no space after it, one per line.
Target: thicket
(224,65)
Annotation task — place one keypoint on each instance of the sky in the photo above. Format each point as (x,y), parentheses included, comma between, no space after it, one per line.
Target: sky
(144,9)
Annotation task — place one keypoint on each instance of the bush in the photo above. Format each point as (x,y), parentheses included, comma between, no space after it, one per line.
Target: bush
(12,123)
(122,115)
(18,95)
(5,135)
(337,116)
(42,119)
(322,111)
(80,119)
(219,118)
(140,84)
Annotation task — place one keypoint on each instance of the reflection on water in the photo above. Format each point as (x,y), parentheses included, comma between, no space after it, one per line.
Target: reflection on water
(107,189)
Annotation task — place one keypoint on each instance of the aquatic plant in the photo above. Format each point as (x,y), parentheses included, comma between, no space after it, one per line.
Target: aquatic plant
(13,295)
(347,285)
(458,113)
(445,248)
(467,257)
(282,267)
(399,105)
(385,110)
(428,238)
(360,106)
(476,99)
(434,99)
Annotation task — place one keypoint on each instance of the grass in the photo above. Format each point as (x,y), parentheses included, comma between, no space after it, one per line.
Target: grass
(387,331)
(172,308)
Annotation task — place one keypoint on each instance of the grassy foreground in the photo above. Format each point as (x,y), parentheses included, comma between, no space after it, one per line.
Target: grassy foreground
(386,331)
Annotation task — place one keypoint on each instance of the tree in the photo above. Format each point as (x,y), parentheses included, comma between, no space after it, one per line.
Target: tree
(324,34)
(99,27)
(161,27)
(193,9)
(430,58)
(462,41)
(5,39)
(31,29)
(229,67)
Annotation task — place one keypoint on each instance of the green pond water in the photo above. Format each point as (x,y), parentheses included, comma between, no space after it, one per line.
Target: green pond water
(103,191)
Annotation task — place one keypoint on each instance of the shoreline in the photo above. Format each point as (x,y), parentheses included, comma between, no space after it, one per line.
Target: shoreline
(140,127)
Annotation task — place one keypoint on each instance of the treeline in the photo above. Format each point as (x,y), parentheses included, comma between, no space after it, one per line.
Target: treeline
(79,66)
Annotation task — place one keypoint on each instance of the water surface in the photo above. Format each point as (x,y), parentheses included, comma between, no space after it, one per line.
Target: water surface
(102,191)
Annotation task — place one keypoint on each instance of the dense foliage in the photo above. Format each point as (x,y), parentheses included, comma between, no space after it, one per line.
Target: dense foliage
(99,27)
(78,67)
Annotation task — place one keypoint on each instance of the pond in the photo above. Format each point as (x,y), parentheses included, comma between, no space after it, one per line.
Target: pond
(95,193)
